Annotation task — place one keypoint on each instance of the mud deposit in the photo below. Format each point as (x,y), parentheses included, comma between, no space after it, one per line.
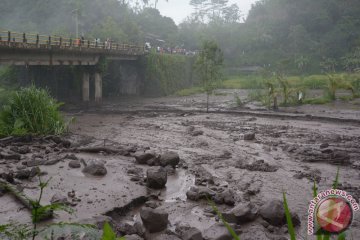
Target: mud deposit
(216,161)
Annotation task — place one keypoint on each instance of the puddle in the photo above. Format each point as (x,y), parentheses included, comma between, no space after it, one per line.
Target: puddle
(177,185)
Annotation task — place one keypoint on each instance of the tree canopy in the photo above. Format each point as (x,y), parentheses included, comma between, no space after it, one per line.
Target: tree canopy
(303,32)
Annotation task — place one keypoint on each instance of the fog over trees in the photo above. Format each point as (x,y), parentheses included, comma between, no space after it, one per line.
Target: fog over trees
(301,32)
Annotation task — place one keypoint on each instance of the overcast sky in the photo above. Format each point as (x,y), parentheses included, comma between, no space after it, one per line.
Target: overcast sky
(180,9)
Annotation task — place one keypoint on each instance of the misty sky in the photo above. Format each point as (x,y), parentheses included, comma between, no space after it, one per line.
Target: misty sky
(180,9)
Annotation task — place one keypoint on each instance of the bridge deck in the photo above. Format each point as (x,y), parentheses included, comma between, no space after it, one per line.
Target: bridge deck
(14,40)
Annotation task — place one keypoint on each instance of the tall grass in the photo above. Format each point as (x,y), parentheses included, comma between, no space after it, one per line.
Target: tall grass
(31,111)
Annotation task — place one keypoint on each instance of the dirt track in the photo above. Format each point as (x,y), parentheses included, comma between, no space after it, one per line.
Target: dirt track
(286,154)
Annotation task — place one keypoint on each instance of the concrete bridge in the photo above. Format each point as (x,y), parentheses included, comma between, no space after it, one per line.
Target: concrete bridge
(21,49)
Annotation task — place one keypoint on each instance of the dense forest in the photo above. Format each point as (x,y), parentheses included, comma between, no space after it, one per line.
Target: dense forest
(302,33)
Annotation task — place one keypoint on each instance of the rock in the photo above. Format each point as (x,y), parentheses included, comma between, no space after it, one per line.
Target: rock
(340,158)
(169,158)
(133,237)
(156,178)
(143,157)
(154,220)
(217,232)
(10,156)
(324,145)
(74,164)
(71,156)
(23,174)
(24,150)
(9,177)
(58,198)
(95,169)
(228,196)
(191,195)
(188,233)
(35,162)
(126,228)
(152,204)
(249,136)
(273,212)
(196,193)
(242,213)
(196,133)
(258,165)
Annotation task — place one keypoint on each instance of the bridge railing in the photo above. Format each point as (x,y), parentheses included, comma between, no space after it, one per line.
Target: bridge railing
(30,40)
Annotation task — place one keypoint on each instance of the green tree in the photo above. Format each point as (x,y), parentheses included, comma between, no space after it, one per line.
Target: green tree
(209,65)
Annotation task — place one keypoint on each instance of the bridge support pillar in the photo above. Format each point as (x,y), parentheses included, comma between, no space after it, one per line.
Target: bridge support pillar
(98,87)
(86,87)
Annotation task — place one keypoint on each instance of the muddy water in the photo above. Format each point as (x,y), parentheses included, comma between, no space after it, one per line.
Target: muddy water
(214,154)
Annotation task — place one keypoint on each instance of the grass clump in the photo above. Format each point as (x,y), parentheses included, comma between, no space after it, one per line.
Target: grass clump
(31,111)
(317,101)
(189,91)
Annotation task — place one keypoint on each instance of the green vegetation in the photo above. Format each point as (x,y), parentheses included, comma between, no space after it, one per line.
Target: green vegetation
(109,234)
(268,88)
(209,64)
(15,231)
(189,91)
(31,111)
(165,73)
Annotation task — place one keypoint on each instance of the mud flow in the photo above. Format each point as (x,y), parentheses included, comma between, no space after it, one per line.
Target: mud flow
(149,167)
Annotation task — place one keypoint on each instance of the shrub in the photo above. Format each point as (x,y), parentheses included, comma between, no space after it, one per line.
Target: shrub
(31,111)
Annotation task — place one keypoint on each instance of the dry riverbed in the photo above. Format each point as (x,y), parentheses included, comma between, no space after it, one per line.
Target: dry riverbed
(242,161)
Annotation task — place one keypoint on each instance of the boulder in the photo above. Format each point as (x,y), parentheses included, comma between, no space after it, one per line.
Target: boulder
(196,193)
(143,157)
(217,232)
(154,220)
(95,169)
(324,145)
(228,196)
(74,164)
(186,232)
(10,156)
(273,212)
(156,178)
(241,213)
(126,228)
(249,136)
(23,174)
(169,158)
(196,133)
